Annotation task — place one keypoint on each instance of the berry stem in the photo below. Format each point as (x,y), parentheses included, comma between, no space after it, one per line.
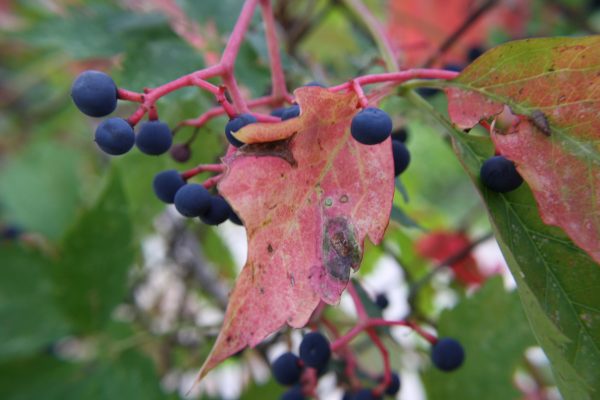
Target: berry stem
(397,77)
(387,370)
(203,168)
(279,89)
(128,95)
(212,182)
(360,308)
(362,98)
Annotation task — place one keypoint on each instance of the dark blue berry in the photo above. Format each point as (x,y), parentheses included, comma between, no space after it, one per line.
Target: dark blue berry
(365,394)
(291,112)
(382,301)
(233,217)
(94,93)
(235,125)
(294,393)
(115,136)
(315,83)
(447,354)
(401,157)
(181,152)
(154,138)
(500,174)
(11,232)
(315,350)
(347,396)
(286,369)
(192,200)
(278,112)
(427,92)
(371,126)
(394,385)
(400,134)
(453,67)
(166,184)
(217,213)
(474,53)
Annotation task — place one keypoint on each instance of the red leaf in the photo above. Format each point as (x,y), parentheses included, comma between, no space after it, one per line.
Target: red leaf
(553,85)
(439,246)
(307,203)
(418,28)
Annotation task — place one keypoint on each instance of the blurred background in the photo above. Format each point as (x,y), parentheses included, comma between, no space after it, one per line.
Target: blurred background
(105,293)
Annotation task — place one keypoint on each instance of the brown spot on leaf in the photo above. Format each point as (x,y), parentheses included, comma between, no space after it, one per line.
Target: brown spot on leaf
(279,148)
(270,248)
(340,249)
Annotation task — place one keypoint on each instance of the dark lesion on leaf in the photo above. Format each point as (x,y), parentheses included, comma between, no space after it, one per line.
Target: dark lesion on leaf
(278,148)
(341,251)
(539,120)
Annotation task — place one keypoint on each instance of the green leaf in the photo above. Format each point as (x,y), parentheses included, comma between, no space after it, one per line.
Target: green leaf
(39,189)
(30,318)
(130,376)
(494,332)
(91,272)
(557,281)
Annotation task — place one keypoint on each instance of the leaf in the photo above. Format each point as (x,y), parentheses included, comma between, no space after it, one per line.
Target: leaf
(554,79)
(494,347)
(414,28)
(91,272)
(557,281)
(39,198)
(307,203)
(30,318)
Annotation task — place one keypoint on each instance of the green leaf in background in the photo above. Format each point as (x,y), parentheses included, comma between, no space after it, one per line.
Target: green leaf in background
(91,270)
(129,376)
(494,332)
(39,189)
(558,282)
(30,318)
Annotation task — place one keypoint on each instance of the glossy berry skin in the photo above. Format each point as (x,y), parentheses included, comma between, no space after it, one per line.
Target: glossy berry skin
(447,354)
(400,134)
(371,126)
(94,93)
(278,112)
(382,301)
(394,385)
(154,138)
(115,136)
(500,174)
(286,369)
(217,213)
(181,153)
(294,393)
(166,184)
(290,112)
(233,217)
(365,394)
(474,53)
(315,351)
(192,200)
(401,157)
(235,125)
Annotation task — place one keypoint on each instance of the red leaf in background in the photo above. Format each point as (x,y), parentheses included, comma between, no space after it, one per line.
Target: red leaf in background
(307,202)
(418,28)
(439,246)
(553,85)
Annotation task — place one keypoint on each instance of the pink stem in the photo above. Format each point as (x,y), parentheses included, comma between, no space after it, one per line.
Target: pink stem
(277,75)
(202,168)
(344,340)
(387,370)
(397,77)
(211,182)
(360,309)
(130,96)
(364,102)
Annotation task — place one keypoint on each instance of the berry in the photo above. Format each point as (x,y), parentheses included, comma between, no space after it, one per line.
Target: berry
(315,350)
(94,93)
(315,83)
(181,152)
(453,67)
(154,138)
(235,125)
(286,369)
(474,53)
(192,200)
(290,112)
(217,213)
(447,354)
(365,394)
(166,184)
(427,92)
(233,217)
(371,126)
(10,232)
(294,393)
(347,396)
(382,301)
(500,175)
(400,134)
(278,112)
(115,136)
(394,385)
(401,157)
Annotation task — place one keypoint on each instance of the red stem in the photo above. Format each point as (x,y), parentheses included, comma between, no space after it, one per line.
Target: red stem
(387,370)
(360,308)
(397,77)
(279,89)
(211,182)
(202,168)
